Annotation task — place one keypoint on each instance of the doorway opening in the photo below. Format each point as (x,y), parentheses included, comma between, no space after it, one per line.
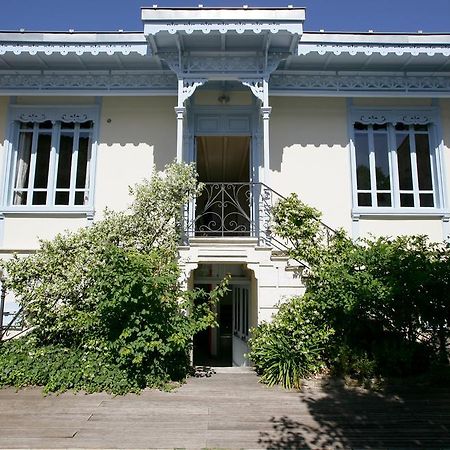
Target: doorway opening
(224,207)
(226,344)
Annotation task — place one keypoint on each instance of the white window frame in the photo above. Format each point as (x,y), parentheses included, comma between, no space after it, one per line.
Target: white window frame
(57,115)
(409,116)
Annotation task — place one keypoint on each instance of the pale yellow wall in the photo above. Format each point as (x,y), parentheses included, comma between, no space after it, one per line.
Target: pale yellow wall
(135,134)
(210,98)
(396,226)
(55,100)
(391,101)
(309,154)
(24,232)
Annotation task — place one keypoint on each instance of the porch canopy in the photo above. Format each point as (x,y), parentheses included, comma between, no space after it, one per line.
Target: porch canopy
(224,43)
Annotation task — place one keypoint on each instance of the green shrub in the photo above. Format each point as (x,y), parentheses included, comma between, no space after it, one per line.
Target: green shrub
(290,347)
(105,306)
(386,300)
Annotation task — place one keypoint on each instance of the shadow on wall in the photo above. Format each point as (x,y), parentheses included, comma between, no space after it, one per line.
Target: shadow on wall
(141,122)
(309,123)
(340,417)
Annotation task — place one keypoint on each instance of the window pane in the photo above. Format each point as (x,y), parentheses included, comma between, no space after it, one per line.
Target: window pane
(83,160)
(426,200)
(42,162)
(23,161)
(62,198)
(360,126)
(384,199)
(362,161)
(68,125)
(65,160)
(39,198)
(404,161)
(407,200)
(20,198)
(86,125)
(81,198)
(423,162)
(364,199)
(47,125)
(382,161)
(402,127)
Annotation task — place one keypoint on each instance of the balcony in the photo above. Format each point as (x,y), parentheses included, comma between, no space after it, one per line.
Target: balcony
(239,210)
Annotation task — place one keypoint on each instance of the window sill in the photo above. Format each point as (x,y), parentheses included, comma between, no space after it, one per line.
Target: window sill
(418,213)
(48,210)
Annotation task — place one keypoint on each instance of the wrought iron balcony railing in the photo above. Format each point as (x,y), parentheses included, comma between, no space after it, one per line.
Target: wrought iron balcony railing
(230,210)
(236,210)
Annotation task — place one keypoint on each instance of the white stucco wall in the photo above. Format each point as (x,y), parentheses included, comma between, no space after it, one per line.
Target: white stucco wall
(135,134)
(309,154)
(22,232)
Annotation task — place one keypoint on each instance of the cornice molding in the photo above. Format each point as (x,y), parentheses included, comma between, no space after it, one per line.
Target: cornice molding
(78,49)
(370,49)
(223,27)
(85,81)
(279,82)
(359,83)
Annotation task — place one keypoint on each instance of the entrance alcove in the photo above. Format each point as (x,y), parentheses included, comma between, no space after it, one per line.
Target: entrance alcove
(226,344)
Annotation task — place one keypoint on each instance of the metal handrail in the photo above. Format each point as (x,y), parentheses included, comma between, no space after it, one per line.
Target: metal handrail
(237,209)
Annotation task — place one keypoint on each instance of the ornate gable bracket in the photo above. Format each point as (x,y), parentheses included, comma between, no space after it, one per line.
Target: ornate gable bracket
(411,116)
(173,60)
(273,60)
(257,88)
(188,88)
(63,114)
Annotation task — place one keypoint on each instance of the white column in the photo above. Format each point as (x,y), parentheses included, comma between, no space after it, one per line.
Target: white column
(265,112)
(180,111)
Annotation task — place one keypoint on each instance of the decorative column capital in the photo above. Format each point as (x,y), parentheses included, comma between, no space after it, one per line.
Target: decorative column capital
(265,112)
(180,111)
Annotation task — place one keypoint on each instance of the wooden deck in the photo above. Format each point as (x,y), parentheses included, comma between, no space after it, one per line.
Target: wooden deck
(229,410)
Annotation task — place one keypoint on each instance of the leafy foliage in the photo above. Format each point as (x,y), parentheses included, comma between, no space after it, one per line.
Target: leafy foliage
(292,346)
(385,299)
(105,305)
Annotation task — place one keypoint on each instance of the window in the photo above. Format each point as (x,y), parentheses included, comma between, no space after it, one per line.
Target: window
(395,165)
(51,162)
(241,312)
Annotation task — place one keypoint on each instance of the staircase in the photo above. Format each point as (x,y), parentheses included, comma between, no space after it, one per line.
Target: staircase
(230,223)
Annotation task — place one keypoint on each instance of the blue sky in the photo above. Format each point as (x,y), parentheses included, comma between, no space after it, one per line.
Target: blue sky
(331,15)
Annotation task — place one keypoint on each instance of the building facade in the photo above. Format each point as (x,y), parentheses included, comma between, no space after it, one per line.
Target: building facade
(357,124)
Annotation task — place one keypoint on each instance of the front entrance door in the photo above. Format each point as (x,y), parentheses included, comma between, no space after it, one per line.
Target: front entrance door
(241,308)
(226,344)
(223,165)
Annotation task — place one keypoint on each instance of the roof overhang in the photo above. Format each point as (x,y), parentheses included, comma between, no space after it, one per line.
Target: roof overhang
(222,32)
